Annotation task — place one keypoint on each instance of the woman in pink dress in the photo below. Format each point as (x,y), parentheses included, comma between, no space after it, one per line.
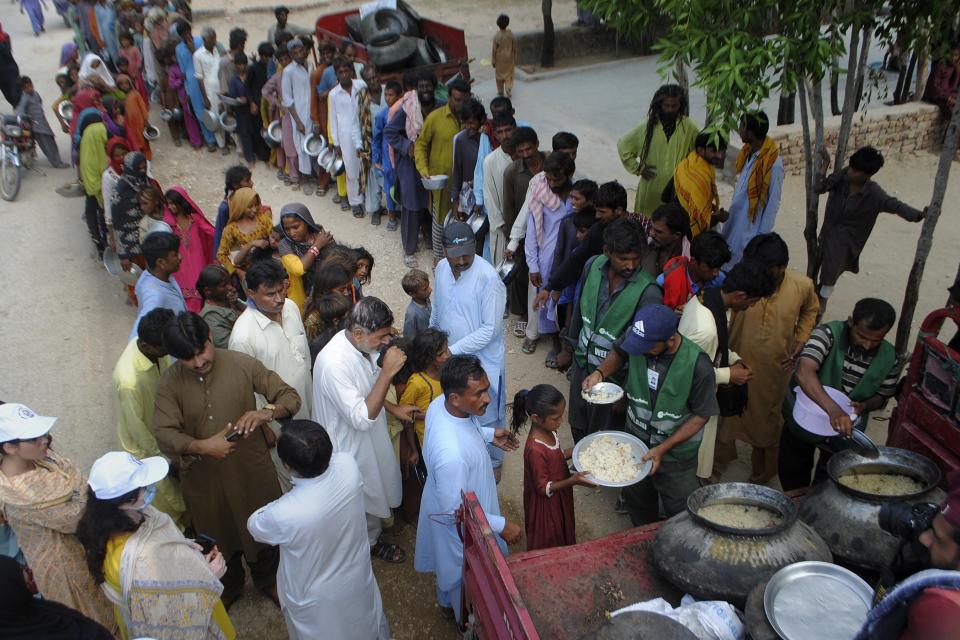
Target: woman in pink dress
(196,242)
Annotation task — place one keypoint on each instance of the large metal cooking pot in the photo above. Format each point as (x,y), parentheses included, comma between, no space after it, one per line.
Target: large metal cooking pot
(847,518)
(715,562)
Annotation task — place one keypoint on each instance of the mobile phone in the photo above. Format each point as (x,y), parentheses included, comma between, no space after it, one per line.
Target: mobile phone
(206,543)
(233,436)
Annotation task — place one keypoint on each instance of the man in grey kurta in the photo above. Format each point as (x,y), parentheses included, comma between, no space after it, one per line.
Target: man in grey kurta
(205,397)
(31,106)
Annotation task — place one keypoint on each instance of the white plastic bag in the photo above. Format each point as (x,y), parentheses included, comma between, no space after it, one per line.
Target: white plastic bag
(708,620)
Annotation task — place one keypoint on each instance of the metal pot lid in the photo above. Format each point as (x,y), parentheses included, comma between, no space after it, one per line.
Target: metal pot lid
(742,493)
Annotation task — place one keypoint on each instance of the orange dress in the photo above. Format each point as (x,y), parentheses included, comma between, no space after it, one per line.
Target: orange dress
(137,115)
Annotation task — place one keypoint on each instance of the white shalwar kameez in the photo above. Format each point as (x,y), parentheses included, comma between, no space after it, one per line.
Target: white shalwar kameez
(342,379)
(342,111)
(325,581)
(455,452)
(295,94)
(206,66)
(470,310)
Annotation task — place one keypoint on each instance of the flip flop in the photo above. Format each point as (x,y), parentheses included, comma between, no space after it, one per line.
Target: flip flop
(388,552)
(520,328)
(528,346)
(551,360)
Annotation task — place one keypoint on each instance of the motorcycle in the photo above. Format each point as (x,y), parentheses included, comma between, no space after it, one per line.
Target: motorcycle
(18,151)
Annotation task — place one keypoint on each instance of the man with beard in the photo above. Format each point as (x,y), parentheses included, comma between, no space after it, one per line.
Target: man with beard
(349,400)
(669,238)
(694,183)
(434,154)
(295,91)
(343,107)
(853,357)
(654,147)
(466,145)
(612,289)
(468,303)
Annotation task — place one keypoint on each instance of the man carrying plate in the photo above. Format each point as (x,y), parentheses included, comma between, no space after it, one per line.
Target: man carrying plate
(671,394)
(851,356)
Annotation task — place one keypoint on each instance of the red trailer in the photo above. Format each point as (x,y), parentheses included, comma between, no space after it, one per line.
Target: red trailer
(927,417)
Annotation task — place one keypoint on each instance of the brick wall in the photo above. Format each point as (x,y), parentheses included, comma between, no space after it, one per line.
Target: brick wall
(899,129)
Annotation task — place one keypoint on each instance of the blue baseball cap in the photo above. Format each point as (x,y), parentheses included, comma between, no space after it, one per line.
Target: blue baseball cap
(653,323)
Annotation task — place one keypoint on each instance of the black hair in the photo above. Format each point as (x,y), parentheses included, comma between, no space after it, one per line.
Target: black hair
(503,21)
(409,79)
(305,447)
(610,195)
(559,163)
(710,248)
(654,112)
(233,177)
(369,314)
(280,39)
(100,521)
(125,34)
(330,276)
(24,81)
(186,336)
(325,46)
(172,196)
(769,249)
(237,37)
(503,104)
(586,188)
(151,326)
(346,44)
(584,218)
(867,160)
(624,235)
(241,59)
(427,76)
(565,140)
(751,277)
(332,309)
(676,217)
(158,245)
(473,109)
(502,120)
(523,135)
(393,85)
(711,140)
(279,10)
(425,347)
(363,254)
(342,63)
(265,50)
(183,28)
(413,280)
(460,86)
(542,400)
(265,272)
(757,123)
(875,313)
(210,276)
(457,372)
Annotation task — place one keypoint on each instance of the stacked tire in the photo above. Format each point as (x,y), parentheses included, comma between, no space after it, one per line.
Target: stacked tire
(393,39)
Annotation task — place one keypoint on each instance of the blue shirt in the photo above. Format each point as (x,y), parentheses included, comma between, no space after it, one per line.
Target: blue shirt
(154,293)
(738,231)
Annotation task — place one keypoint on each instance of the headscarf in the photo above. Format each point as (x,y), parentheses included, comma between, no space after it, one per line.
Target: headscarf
(23,616)
(112,144)
(87,117)
(198,218)
(125,204)
(4,36)
(85,98)
(239,202)
(93,156)
(67,51)
(288,244)
(88,71)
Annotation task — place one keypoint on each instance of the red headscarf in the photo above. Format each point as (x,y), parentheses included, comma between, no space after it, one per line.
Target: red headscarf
(951,508)
(112,144)
(4,36)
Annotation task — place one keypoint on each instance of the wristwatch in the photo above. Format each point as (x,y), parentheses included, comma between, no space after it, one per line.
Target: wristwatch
(272,408)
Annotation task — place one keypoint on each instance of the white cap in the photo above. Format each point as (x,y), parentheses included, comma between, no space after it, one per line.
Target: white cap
(116,473)
(18,422)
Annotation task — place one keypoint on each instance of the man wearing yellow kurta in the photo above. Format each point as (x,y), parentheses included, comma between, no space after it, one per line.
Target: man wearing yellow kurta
(654,147)
(135,379)
(769,336)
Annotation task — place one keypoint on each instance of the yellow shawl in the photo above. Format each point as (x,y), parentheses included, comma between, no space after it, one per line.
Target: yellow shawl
(54,481)
(240,201)
(695,183)
(758,184)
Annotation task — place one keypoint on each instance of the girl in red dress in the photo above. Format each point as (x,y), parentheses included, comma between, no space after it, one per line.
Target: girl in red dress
(547,483)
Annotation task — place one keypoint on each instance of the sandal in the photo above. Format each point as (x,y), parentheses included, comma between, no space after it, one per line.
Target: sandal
(322,191)
(520,328)
(550,362)
(307,189)
(388,552)
(336,198)
(528,346)
(344,205)
(392,224)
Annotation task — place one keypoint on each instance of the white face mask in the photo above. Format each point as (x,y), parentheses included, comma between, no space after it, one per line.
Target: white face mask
(145,499)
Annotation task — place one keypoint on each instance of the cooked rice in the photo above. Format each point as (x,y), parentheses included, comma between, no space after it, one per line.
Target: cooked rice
(882,484)
(609,460)
(740,516)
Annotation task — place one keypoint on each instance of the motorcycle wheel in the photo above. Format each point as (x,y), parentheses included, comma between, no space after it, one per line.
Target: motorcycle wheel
(9,174)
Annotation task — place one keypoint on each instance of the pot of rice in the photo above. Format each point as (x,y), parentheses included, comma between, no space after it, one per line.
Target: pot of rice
(844,508)
(731,537)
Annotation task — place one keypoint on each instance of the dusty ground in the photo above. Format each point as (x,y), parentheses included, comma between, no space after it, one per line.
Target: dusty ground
(64,319)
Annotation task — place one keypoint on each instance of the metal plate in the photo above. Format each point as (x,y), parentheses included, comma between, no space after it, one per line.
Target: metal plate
(816,600)
(640,449)
(602,393)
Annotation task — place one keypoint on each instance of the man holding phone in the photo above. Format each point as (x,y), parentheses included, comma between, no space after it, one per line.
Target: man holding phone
(205,398)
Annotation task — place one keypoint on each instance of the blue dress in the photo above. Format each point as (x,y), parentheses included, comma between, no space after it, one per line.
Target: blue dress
(192,85)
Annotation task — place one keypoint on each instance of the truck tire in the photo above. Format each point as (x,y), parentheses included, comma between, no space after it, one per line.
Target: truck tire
(437,54)
(392,54)
(384,38)
(389,21)
(423,55)
(410,11)
(354,29)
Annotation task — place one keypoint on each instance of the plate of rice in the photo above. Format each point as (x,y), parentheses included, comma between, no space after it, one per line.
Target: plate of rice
(613,458)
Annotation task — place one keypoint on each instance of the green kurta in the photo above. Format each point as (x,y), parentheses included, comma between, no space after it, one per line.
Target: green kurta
(221,494)
(663,155)
(434,153)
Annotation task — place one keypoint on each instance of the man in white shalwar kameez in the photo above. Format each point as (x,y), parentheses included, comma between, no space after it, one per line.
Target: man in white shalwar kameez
(206,67)
(295,92)
(494,165)
(468,303)
(325,582)
(349,400)
(455,453)
(342,109)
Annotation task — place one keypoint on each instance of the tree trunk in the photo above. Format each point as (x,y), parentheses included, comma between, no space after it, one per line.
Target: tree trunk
(856,62)
(921,77)
(683,79)
(834,89)
(546,53)
(926,233)
(811,147)
(902,94)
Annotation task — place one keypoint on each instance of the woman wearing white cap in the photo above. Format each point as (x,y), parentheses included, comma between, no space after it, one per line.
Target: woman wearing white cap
(161,583)
(41,498)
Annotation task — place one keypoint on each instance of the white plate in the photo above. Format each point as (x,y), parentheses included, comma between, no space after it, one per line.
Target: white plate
(637,445)
(607,391)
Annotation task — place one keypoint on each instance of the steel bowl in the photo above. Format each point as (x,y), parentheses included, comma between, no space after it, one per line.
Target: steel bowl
(326,159)
(65,109)
(227,122)
(476,220)
(639,449)
(230,102)
(151,132)
(338,167)
(505,268)
(314,145)
(613,393)
(176,114)
(166,115)
(742,493)
(111,262)
(434,183)
(211,120)
(272,134)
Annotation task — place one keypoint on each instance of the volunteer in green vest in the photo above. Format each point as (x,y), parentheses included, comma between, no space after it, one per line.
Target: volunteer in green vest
(671,393)
(851,356)
(611,289)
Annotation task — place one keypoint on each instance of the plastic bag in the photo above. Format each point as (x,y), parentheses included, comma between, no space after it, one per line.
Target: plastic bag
(708,620)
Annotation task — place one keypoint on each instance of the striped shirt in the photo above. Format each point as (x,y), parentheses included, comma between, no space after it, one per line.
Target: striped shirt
(855,365)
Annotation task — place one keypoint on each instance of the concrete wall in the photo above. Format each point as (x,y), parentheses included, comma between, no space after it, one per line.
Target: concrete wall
(573,42)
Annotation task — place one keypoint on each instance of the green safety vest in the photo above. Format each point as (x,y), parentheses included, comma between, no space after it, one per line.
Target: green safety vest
(597,335)
(657,423)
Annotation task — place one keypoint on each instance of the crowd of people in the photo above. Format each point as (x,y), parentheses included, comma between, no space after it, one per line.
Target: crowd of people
(271,414)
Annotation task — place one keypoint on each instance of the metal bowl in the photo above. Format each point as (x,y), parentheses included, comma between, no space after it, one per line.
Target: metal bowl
(65,109)
(230,102)
(176,114)
(272,134)
(476,220)
(151,132)
(611,393)
(338,167)
(891,460)
(111,262)
(434,183)
(636,444)
(227,122)
(742,493)
(314,145)
(326,158)
(211,120)
(505,268)
(166,115)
